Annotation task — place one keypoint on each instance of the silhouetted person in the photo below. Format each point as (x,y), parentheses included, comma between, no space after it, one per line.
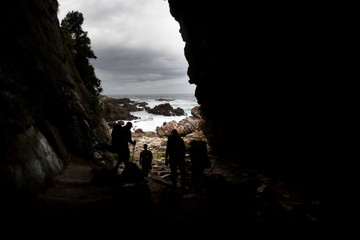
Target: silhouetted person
(121,136)
(146,160)
(175,155)
(199,162)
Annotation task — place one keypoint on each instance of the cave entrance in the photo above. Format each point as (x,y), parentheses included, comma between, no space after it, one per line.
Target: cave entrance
(138,46)
(76,197)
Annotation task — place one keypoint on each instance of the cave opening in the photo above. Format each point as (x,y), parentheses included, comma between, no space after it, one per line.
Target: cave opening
(138,46)
(265,157)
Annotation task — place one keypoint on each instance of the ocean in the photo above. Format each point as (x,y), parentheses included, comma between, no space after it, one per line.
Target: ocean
(147,121)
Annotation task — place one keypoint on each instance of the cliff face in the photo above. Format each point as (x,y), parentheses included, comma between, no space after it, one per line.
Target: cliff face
(266,65)
(46,111)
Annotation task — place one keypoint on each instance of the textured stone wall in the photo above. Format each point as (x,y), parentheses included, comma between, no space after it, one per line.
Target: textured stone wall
(46,112)
(260,71)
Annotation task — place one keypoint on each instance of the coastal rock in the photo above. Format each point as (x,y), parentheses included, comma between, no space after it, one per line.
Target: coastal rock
(139,130)
(141,104)
(163,100)
(166,109)
(188,125)
(117,101)
(196,112)
(118,108)
(166,129)
(197,135)
(131,107)
(184,127)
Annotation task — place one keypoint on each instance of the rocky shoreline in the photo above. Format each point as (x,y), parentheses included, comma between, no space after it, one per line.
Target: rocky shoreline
(120,108)
(118,111)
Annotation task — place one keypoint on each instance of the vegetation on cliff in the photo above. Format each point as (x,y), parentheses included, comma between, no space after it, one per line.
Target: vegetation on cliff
(79,44)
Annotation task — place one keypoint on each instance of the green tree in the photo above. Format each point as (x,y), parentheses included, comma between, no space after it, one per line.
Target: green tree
(79,44)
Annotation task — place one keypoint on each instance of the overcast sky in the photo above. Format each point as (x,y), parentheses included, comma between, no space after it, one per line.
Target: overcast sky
(137,43)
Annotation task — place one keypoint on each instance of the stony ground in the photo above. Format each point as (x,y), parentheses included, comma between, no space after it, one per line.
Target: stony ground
(230,198)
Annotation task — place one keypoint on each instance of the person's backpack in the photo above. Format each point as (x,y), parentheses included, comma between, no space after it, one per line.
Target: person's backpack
(147,156)
(117,135)
(202,151)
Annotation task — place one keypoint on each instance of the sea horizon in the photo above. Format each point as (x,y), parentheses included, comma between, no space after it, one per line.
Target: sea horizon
(148,94)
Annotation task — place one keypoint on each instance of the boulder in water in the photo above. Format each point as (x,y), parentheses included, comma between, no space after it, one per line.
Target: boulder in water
(166,109)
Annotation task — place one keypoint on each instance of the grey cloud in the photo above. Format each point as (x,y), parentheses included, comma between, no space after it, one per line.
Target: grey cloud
(140,64)
(137,43)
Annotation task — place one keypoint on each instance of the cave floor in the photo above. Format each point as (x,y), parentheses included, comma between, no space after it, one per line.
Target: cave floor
(230,198)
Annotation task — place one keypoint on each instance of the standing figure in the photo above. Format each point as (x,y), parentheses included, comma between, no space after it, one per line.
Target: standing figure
(199,162)
(121,136)
(175,155)
(146,160)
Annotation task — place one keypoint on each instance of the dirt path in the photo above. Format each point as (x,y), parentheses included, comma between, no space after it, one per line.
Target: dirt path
(98,198)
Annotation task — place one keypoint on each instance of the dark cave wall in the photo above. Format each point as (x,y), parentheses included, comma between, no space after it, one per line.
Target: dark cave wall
(261,73)
(46,112)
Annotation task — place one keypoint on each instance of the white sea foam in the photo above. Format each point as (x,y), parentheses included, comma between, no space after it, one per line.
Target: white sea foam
(148,121)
